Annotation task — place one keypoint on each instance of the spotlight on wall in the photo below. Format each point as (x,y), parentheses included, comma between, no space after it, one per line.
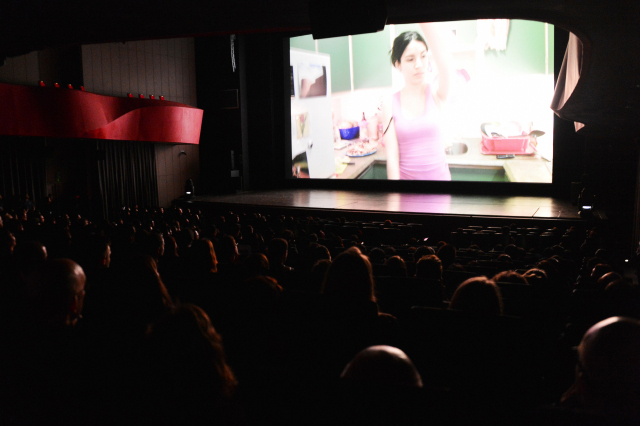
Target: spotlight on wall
(189,189)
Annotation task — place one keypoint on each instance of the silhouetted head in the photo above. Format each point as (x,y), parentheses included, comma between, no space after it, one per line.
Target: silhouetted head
(7,244)
(447,254)
(551,269)
(141,290)
(203,256)
(151,243)
(227,250)
(607,279)
(609,357)
(396,266)
(377,255)
(350,277)
(277,250)
(318,274)
(96,253)
(56,293)
(381,386)
(422,251)
(510,277)
(184,239)
(256,264)
(599,270)
(429,267)
(536,277)
(478,295)
(511,250)
(383,366)
(187,367)
(170,246)
(261,288)
(320,252)
(29,256)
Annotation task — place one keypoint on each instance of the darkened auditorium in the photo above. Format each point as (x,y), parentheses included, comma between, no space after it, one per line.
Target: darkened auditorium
(322,212)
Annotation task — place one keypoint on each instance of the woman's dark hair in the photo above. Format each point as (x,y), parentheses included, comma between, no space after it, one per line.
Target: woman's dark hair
(186,367)
(376,255)
(400,44)
(447,254)
(226,249)
(429,267)
(422,251)
(318,274)
(203,256)
(536,277)
(261,289)
(350,277)
(256,264)
(141,293)
(396,266)
(510,277)
(478,295)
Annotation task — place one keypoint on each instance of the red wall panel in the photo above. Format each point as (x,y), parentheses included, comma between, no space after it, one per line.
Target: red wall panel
(64,113)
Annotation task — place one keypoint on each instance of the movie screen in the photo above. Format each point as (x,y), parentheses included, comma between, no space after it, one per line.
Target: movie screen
(446,101)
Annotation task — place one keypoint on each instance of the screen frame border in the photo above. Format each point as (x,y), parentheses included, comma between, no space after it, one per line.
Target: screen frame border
(564,146)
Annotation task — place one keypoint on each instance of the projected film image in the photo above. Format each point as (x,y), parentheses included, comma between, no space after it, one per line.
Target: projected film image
(446,101)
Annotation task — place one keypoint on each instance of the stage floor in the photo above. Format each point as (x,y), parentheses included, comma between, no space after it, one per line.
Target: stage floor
(410,203)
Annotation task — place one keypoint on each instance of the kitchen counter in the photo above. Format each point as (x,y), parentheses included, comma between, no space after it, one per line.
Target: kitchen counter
(361,164)
(522,168)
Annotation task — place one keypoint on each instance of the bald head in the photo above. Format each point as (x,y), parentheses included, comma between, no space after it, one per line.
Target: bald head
(57,291)
(609,354)
(383,365)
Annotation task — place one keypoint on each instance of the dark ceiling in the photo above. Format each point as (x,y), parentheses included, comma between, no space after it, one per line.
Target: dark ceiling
(607,98)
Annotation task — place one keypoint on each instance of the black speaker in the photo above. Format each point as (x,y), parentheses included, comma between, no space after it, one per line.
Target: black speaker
(336,18)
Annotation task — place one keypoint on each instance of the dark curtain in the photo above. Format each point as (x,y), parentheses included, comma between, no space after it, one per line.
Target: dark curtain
(22,169)
(126,175)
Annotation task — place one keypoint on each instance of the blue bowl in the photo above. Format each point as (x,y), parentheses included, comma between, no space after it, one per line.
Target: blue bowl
(350,133)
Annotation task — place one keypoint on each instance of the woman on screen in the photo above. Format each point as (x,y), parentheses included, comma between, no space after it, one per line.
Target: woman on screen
(414,137)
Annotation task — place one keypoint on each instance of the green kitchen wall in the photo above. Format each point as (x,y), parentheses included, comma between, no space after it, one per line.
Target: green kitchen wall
(371,66)
(303,42)
(338,48)
(525,52)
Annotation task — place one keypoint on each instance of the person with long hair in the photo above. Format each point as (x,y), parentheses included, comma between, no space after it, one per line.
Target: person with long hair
(480,296)
(187,376)
(415,136)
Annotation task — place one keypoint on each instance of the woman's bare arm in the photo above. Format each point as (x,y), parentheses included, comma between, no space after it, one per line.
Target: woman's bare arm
(390,142)
(438,42)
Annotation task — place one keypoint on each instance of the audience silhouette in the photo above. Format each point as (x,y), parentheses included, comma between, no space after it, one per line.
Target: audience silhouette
(120,321)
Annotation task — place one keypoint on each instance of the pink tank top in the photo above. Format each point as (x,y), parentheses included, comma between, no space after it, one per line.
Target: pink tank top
(420,142)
